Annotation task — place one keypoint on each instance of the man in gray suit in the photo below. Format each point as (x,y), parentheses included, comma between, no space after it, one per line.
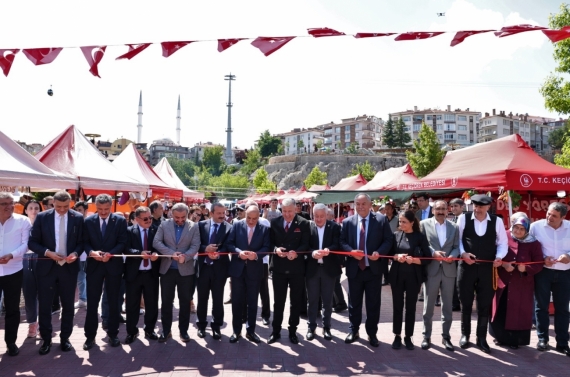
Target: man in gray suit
(443,239)
(179,238)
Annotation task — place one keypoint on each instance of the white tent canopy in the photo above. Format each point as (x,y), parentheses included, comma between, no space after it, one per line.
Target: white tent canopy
(168,175)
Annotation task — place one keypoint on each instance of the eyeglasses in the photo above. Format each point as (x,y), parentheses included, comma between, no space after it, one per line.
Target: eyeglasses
(7,204)
(145,218)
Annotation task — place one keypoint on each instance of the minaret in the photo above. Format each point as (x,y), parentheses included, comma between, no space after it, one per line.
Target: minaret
(178,122)
(139,126)
(229,154)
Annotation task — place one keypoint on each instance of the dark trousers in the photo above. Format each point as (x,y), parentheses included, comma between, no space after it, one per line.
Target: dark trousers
(296,285)
(206,283)
(105,300)
(365,282)
(144,284)
(475,279)
(67,281)
(170,283)
(95,280)
(558,282)
(11,285)
(245,291)
(320,286)
(338,295)
(264,293)
(407,284)
(30,287)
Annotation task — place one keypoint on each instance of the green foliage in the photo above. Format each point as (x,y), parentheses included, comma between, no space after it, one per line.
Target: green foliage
(428,154)
(352,148)
(365,169)
(252,162)
(558,136)
(563,159)
(184,169)
(268,145)
(300,144)
(213,160)
(228,185)
(401,137)
(556,90)
(262,183)
(319,144)
(316,177)
(388,137)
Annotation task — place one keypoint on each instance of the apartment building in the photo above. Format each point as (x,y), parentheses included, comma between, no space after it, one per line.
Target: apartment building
(364,130)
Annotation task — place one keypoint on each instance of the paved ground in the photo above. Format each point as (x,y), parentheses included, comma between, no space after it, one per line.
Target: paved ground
(207,357)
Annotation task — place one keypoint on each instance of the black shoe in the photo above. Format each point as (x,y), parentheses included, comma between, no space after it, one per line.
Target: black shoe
(244,320)
(114,341)
(131,338)
(303,314)
(340,308)
(421,298)
(456,308)
(65,345)
(373,340)
(252,337)
(482,344)
(397,343)
(265,321)
(542,345)
(234,338)
(563,349)
(89,343)
(46,347)
(105,325)
(426,344)
(293,338)
(216,334)
(13,349)
(464,341)
(408,343)
(163,338)
(150,335)
(437,301)
(385,282)
(310,334)
(327,333)
(122,319)
(184,337)
(352,337)
(447,344)
(201,333)
(273,338)
(515,347)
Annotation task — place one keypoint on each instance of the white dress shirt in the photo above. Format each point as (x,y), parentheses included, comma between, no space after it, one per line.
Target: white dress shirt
(555,242)
(14,236)
(142,267)
(441,230)
(481,229)
(365,236)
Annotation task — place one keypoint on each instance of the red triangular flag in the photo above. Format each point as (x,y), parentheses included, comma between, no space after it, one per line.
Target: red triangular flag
(461,35)
(134,51)
(169,48)
(372,35)
(268,45)
(224,44)
(512,30)
(93,55)
(558,35)
(6,60)
(324,32)
(40,56)
(414,35)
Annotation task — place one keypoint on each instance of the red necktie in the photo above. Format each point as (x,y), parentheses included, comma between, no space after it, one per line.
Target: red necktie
(286,227)
(145,246)
(362,244)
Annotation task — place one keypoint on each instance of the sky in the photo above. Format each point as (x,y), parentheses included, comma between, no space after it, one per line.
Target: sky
(308,82)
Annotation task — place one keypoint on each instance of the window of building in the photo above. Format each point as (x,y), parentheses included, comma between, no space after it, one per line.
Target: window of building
(337,130)
(477,117)
(346,128)
(438,117)
(516,124)
(449,127)
(357,135)
(418,118)
(429,117)
(505,122)
(439,136)
(417,127)
(449,136)
(506,131)
(449,117)
(337,137)
(439,127)
(406,119)
(347,137)
(181,156)
(357,126)
(462,137)
(461,128)
(461,118)
(407,129)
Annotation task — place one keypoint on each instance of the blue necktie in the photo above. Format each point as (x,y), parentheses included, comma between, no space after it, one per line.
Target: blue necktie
(104,227)
(212,241)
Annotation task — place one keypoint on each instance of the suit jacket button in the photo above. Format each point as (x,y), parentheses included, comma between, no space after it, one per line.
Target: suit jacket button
(286,272)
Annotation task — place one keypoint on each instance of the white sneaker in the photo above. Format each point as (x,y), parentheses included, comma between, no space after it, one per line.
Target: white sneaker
(33,330)
(80,304)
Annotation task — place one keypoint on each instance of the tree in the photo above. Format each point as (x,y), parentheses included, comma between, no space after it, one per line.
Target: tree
(267,144)
(365,169)
(352,148)
(252,162)
(229,185)
(428,154)
(184,169)
(557,137)
(556,90)
(388,137)
(262,183)
(213,160)
(300,144)
(316,177)
(401,137)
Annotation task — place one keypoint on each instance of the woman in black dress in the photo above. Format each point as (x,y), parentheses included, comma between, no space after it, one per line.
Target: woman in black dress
(407,275)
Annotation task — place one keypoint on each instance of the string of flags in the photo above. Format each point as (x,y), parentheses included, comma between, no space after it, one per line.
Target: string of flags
(267,45)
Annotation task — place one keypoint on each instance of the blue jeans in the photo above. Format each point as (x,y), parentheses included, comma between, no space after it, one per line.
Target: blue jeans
(30,287)
(105,303)
(81,283)
(557,282)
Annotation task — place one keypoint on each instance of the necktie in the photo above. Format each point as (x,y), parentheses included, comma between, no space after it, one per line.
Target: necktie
(62,249)
(362,244)
(249,235)
(212,241)
(145,247)
(104,227)
(286,227)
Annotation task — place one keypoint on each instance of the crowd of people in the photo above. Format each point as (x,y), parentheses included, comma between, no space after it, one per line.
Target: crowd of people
(450,254)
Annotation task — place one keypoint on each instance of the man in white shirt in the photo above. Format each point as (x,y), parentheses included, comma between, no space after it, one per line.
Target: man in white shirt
(14,233)
(553,233)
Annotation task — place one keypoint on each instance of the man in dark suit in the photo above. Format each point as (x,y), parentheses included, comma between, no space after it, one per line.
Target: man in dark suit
(290,234)
(250,242)
(105,239)
(300,212)
(212,271)
(367,236)
(141,276)
(56,237)
(322,269)
(424,211)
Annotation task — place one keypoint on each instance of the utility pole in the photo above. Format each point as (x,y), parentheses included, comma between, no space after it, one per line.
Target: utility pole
(229,154)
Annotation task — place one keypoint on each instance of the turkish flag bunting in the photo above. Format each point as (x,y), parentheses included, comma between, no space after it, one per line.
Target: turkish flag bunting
(40,56)
(169,48)
(93,55)
(6,60)
(224,44)
(461,35)
(414,35)
(512,30)
(324,32)
(372,35)
(556,35)
(268,45)
(134,51)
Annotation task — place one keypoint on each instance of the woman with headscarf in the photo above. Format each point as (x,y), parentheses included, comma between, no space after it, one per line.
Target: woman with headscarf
(511,317)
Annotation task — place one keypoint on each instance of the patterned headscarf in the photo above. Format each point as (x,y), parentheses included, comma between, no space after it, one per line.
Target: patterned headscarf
(520,218)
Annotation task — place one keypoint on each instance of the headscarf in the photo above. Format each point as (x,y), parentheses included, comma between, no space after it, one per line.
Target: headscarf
(520,218)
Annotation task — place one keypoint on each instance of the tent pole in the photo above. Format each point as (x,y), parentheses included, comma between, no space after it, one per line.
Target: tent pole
(529,207)
(338,210)
(115,203)
(510,208)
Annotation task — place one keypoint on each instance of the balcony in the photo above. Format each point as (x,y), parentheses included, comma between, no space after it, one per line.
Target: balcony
(368,127)
(367,135)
